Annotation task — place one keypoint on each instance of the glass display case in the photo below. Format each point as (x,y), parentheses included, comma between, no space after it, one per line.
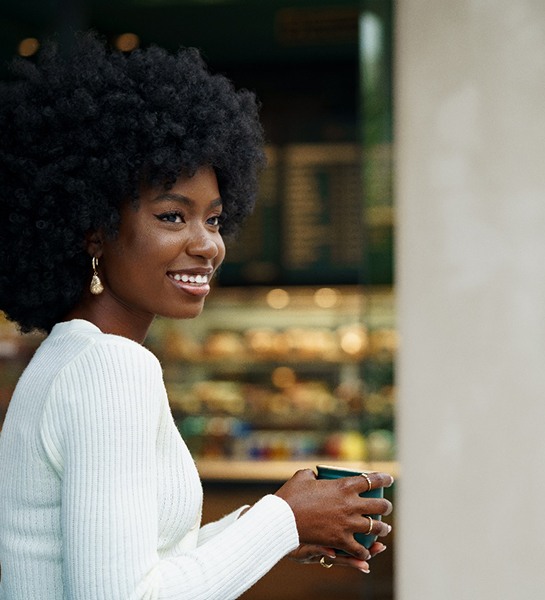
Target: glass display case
(284,374)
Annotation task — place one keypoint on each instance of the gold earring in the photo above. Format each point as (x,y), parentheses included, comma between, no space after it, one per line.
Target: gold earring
(96,286)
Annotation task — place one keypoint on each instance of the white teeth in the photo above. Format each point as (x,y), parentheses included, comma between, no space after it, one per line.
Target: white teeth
(198,279)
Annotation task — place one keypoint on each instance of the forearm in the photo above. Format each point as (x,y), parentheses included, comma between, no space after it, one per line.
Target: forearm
(229,563)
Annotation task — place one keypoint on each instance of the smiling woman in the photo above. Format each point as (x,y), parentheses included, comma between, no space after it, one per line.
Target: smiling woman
(119,176)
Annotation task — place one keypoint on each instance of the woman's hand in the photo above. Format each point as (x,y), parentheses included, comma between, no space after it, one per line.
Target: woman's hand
(329,512)
(311,554)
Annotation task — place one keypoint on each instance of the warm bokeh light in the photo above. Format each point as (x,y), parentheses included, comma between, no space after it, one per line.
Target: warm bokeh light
(28,47)
(278,298)
(283,377)
(354,340)
(126,42)
(326,297)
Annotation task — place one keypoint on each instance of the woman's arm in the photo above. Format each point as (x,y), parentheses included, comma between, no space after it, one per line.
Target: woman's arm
(108,412)
(212,529)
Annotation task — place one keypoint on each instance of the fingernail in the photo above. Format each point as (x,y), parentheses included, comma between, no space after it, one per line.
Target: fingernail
(364,570)
(381,550)
(389,528)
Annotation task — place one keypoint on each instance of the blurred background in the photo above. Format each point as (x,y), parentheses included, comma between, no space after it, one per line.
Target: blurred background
(292,362)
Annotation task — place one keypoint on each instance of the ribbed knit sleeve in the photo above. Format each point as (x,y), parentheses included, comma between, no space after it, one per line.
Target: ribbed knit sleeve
(212,529)
(100,431)
(102,424)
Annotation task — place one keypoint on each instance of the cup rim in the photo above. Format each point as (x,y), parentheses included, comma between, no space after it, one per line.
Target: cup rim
(341,469)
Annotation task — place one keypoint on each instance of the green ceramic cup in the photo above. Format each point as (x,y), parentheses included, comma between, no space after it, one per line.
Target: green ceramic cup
(326,472)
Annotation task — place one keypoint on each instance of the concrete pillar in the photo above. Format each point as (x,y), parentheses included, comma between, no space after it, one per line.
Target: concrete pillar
(470,193)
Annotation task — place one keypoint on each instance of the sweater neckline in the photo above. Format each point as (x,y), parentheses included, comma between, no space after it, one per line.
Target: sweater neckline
(74,325)
(85,327)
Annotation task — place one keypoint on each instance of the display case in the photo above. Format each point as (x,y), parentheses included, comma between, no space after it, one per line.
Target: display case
(284,374)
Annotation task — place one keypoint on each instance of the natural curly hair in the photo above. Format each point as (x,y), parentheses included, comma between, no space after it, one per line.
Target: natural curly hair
(82,133)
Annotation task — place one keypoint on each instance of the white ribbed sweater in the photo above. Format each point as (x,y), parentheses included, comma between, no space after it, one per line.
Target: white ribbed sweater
(99,496)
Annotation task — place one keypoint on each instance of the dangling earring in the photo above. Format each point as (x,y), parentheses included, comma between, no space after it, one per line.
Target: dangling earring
(96,286)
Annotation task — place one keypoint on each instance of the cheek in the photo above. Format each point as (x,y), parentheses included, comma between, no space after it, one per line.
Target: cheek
(131,254)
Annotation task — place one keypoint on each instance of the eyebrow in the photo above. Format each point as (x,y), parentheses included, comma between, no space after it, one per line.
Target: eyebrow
(184,199)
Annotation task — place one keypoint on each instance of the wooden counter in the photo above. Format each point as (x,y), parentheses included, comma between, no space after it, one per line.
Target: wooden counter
(277,470)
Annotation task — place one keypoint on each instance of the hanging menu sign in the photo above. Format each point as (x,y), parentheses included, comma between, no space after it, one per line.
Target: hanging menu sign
(322,231)
(307,227)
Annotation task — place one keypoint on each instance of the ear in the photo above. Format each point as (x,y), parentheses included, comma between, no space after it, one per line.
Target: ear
(93,243)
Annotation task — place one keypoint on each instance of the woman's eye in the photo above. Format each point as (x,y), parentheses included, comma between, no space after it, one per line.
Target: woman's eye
(171,217)
(214,221)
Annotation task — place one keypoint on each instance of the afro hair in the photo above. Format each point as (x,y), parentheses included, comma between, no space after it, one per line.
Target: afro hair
(82,133)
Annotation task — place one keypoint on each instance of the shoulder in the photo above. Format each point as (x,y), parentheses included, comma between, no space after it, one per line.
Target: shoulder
(122,349)
(80,354)
(109,377)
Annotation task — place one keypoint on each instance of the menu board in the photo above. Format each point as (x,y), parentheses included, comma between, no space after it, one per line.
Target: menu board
(308,223)
(322,210)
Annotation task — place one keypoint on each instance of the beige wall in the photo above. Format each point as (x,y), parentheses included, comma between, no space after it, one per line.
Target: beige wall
(470,145)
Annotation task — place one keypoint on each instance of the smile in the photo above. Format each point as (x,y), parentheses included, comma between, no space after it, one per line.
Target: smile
(193,279)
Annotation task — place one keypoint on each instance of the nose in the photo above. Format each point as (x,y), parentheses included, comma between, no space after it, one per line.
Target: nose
(205,244)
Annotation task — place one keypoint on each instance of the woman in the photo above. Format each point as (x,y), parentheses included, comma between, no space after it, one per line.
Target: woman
(120,175)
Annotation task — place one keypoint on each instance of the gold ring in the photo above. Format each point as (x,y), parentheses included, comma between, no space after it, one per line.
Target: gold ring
(325,564)
(368,481)
(370,525)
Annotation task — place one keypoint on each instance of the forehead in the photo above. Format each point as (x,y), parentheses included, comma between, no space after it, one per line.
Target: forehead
(202,187)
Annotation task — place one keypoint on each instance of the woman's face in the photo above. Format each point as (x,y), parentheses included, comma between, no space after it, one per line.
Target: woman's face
(166,252)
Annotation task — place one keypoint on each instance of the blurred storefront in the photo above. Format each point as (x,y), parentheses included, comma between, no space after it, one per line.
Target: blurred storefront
(292,362)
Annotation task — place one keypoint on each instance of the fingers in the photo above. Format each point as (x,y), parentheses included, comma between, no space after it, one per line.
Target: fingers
(366,526)
(372,481)
(342,560)
(303,474)
(381,479)
(374,506)
(377,548)
(346,561)
(311,553)
(370,526)
(372,503)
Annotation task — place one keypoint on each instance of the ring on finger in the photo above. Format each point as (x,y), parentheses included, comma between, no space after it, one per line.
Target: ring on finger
(370,525)
(370,485)
(325,564)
